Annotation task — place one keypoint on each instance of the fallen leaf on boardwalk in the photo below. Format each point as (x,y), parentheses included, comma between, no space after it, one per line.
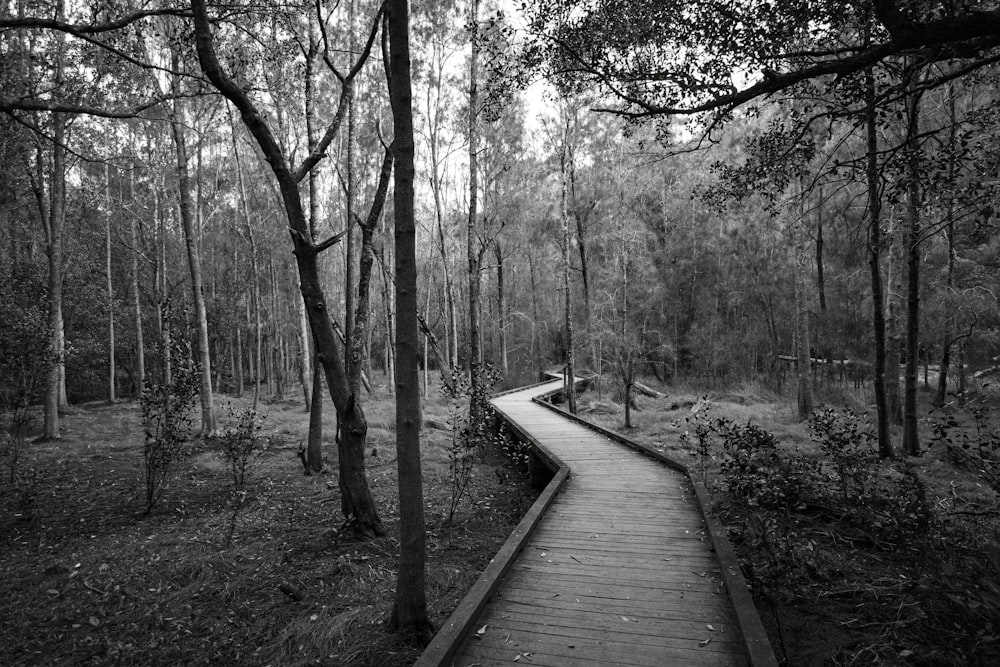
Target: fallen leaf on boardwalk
(555,595)
(481,631)
(704,642)
(526,656)
(575,558)
(700,574)
(709,626)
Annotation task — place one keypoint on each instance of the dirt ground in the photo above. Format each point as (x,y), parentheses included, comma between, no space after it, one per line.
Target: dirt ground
(86,579)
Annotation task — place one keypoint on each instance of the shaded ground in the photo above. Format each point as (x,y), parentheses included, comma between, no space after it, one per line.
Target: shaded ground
(891,572)
(85,579)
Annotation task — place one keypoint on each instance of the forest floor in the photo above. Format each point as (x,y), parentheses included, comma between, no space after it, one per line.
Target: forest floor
(852,560)
(86,579)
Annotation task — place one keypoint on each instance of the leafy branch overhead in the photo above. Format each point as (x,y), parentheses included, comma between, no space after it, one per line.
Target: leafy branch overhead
(680,58)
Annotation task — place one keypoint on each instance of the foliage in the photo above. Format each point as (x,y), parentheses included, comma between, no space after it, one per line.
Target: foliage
(696,436)
(847,440)
(25,358)
(166,419)
(753,471)
(242,444)
(466,435)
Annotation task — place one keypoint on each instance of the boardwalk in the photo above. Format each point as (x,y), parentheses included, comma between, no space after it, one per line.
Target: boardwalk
(619,570)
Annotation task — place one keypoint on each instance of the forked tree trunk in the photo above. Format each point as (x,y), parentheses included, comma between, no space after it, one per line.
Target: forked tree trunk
(358,505)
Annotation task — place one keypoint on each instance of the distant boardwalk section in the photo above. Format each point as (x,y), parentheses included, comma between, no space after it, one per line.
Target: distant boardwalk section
(617,568)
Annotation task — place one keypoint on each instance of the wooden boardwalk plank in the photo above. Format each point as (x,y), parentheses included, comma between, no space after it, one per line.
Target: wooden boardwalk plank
(619,571)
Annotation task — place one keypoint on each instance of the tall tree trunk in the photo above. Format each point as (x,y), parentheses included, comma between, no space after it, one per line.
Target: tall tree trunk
(875,271)
(911,441)
(140,348)
(54,228)
(475,352)
(314,446)
(803,354)
(410,610)
(351,257)
(163,321)
(947,341)
(112,398)
(304,354)
(894,344)
(570,382)
(194,264)
(536,354)
(501,307)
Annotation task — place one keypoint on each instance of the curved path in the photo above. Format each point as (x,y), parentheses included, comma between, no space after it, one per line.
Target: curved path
(619,570)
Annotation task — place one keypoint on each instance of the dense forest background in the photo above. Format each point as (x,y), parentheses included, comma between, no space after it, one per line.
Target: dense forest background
(796,198)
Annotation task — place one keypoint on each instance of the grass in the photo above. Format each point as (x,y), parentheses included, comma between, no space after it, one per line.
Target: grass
(85,579)
(831,589)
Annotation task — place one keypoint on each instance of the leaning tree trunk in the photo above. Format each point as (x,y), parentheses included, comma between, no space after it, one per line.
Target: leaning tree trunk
(874,259)
(358,504)
(409,612)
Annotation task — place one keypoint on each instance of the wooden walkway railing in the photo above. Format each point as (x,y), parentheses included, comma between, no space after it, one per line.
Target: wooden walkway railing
(615,564)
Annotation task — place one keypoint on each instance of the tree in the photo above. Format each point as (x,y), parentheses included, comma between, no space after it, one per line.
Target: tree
(410,610)
(357,501)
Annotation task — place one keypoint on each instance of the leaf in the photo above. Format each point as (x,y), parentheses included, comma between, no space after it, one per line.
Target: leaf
(709,626)
(624,618)
(93,620)
(52,591)
(481,631)
(704,642)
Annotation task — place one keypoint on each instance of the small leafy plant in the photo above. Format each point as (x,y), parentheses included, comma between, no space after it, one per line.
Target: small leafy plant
(467,433)
(166,419)
(242,444)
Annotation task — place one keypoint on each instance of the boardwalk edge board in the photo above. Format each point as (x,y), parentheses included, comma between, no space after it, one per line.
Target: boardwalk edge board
(449,638)
(756,643)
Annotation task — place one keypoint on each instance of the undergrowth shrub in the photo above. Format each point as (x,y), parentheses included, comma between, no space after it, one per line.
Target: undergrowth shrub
(166,419)
(847,441)
(468,434)
(242,445)
(25,358)
(754,472)
(698,429)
